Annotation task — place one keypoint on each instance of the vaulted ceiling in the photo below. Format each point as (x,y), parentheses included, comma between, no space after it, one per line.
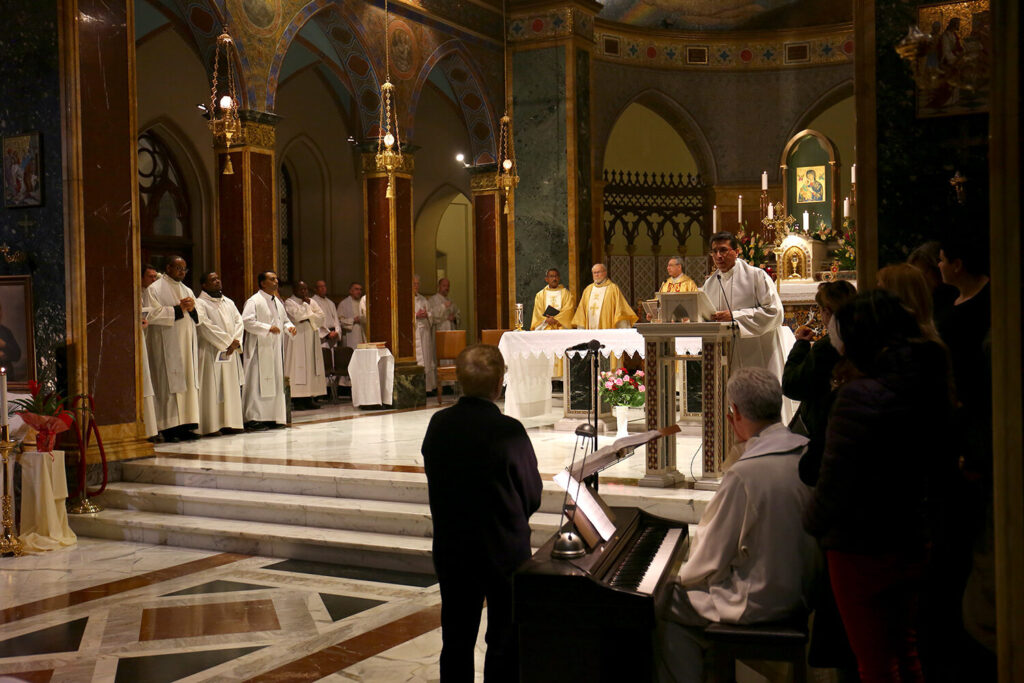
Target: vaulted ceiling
(727,15)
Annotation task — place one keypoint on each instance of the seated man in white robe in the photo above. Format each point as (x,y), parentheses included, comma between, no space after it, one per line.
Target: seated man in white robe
(746,295)
(352,318)
(174,353)
(303,362)
(424,324)
(750,559)
(264,320)
(220,359)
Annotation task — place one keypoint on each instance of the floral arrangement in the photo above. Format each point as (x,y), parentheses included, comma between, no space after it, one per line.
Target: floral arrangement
(619,388)
(753,249)
(847,251)
(45,413)
(825,233)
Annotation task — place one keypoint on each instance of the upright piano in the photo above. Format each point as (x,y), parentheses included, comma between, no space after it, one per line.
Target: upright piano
(593,618)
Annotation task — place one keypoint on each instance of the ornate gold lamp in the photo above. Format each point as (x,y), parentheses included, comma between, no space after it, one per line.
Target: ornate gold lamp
(223,111)
(389,147)
(781,226)
(508,176)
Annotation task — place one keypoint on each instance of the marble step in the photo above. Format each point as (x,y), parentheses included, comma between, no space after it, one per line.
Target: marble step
(329,512)
(338,546)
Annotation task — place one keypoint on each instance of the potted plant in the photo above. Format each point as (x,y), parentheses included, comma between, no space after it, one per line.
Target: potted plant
(45,413)
(622,391)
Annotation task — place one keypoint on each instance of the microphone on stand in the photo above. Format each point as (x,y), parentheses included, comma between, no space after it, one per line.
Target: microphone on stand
(592,345)
(725,297)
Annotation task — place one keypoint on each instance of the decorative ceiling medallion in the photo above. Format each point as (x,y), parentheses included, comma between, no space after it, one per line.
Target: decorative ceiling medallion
(404,50)
(262,16)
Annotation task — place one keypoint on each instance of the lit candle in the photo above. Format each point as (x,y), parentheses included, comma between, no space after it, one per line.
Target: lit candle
(853,174)
(771,210)
(846,207)
(764,180)
(739,209)
(807,222)
(3,395)
(714,218)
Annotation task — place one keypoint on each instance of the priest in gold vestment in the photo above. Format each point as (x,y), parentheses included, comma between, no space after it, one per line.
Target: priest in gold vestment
(602,305)
(555,296)
(677,281)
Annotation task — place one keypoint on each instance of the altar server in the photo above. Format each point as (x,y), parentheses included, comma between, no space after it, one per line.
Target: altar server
(264,319)
(677,281)
(303,362)
(174,353)
(220,358)
(149,276)
(330,333)
(444,310)
(746,295)
(553,296)
(423,331)
(602,305)
(352,318)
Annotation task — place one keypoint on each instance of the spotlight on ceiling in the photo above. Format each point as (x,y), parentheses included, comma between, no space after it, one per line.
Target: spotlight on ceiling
(460,157)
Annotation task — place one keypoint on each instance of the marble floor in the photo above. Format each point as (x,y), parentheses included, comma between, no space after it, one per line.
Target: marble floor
(122,606)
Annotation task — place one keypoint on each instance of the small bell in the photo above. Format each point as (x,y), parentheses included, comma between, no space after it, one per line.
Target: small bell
(228,168)
(390,192)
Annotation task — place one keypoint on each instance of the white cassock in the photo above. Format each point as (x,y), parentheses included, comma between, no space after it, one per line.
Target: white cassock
(173,355)
(148,407)
(263,391)
(440,313)
(303,361)
(354,333)
(764,341)
(220,400)
(423,331)
(330,322)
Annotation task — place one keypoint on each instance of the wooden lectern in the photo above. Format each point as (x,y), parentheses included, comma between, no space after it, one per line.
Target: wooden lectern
(660,368)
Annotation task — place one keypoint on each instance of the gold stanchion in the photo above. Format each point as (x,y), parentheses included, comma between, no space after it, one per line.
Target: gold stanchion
(9,542)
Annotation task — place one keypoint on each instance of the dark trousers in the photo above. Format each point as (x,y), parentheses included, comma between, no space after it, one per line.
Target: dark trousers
(462,599)
(878,597)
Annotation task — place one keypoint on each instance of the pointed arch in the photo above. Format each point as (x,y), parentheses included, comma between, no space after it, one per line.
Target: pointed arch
(829,99)
(312,239)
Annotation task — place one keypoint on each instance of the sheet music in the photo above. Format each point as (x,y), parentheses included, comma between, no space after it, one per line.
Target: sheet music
(586,504)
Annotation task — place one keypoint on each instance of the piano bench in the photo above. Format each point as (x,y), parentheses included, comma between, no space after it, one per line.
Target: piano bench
(777,641)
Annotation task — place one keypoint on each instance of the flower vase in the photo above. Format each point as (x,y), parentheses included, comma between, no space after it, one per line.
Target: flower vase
(621,420)
(47,428)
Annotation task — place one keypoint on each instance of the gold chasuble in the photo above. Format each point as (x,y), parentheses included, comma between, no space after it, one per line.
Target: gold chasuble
(559,298)
(679,284)
(603,307)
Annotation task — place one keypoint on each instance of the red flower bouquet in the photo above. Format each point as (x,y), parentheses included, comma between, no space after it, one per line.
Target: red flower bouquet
(45,413)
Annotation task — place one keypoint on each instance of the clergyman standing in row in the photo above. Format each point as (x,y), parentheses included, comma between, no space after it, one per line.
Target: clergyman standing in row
(264,319)
(220,358)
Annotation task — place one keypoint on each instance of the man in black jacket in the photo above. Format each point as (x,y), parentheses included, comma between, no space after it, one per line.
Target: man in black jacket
(484,485)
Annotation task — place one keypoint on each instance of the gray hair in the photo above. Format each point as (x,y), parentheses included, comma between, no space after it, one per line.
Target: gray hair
(679,261)
(757,394)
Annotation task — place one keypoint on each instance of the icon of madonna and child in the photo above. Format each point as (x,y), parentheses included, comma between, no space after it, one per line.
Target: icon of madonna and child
(810,188)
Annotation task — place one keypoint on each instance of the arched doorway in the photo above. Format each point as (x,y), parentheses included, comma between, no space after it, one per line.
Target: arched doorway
(444,248)
(165,208)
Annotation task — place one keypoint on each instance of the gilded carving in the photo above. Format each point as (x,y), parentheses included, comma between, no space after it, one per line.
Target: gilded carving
(253,134)
(369,164)
(483,182)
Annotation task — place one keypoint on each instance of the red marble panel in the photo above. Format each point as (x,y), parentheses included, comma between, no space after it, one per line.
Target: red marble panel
(263,196)
(107,183)
(231,219)
(503,283)
(191,621)
(485,214)
(404,272)
(378,268)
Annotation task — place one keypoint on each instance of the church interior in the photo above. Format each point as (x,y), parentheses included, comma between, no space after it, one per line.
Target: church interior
(481,143)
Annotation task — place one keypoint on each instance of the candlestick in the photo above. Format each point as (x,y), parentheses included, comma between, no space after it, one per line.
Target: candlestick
(519,317)
(846,207)
(739,209)
(853,173)
(807,222)
(714,218)
(771,211)
(3,395)
(764,180)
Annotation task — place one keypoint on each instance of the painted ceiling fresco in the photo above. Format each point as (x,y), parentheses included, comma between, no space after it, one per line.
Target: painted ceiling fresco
(726,15)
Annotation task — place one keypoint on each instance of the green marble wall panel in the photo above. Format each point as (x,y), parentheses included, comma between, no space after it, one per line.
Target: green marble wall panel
(583,165)
(541,207)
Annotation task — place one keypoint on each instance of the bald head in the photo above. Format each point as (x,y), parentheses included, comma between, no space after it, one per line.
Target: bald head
(176,269)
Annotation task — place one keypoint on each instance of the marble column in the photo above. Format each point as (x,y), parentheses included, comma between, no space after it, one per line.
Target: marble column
(551,66)
(246,240)
(104,331)
(388,244)
(490,229)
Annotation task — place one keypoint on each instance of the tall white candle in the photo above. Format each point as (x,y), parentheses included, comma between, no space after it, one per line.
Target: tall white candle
(771,210)
(3,395)
(764,180)
(846,207)
(739,209)
(853,173)
(714,218)
(807,222)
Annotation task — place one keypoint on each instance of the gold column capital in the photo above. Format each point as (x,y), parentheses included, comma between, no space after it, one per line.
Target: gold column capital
(370,170)
(483,181)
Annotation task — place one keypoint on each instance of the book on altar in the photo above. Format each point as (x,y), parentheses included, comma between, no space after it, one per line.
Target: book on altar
(372,345)
(679,307)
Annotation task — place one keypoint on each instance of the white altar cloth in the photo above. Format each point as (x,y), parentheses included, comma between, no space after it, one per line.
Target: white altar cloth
(44,488)
(530,356)
(372,372)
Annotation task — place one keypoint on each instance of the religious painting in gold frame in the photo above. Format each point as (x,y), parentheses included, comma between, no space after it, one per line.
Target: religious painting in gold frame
(17,348)
(810,184)
(956,65)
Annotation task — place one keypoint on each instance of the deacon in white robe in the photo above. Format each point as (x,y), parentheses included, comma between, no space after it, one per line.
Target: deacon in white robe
(746,295)
(149,276)
(174,353)
(264,320)
(220,359)
(330,332)
(352,318)
(303,362)
(444,310)
(424,323)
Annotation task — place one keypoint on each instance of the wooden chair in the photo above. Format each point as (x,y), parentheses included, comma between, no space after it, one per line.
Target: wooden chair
(782,641)
(491,337)
(448,345)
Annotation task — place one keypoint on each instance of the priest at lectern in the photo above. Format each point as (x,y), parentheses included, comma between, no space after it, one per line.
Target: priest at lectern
(602,306)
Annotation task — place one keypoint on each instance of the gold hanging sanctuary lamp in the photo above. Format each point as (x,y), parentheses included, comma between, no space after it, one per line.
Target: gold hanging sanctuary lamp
(389,147)
(224,105)
(508,176)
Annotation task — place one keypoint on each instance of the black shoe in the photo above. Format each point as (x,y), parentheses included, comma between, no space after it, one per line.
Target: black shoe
(275,425)
(255,427)
(217,433)
(188,435)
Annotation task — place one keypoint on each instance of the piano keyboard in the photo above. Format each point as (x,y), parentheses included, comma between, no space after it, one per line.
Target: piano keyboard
(647,558)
